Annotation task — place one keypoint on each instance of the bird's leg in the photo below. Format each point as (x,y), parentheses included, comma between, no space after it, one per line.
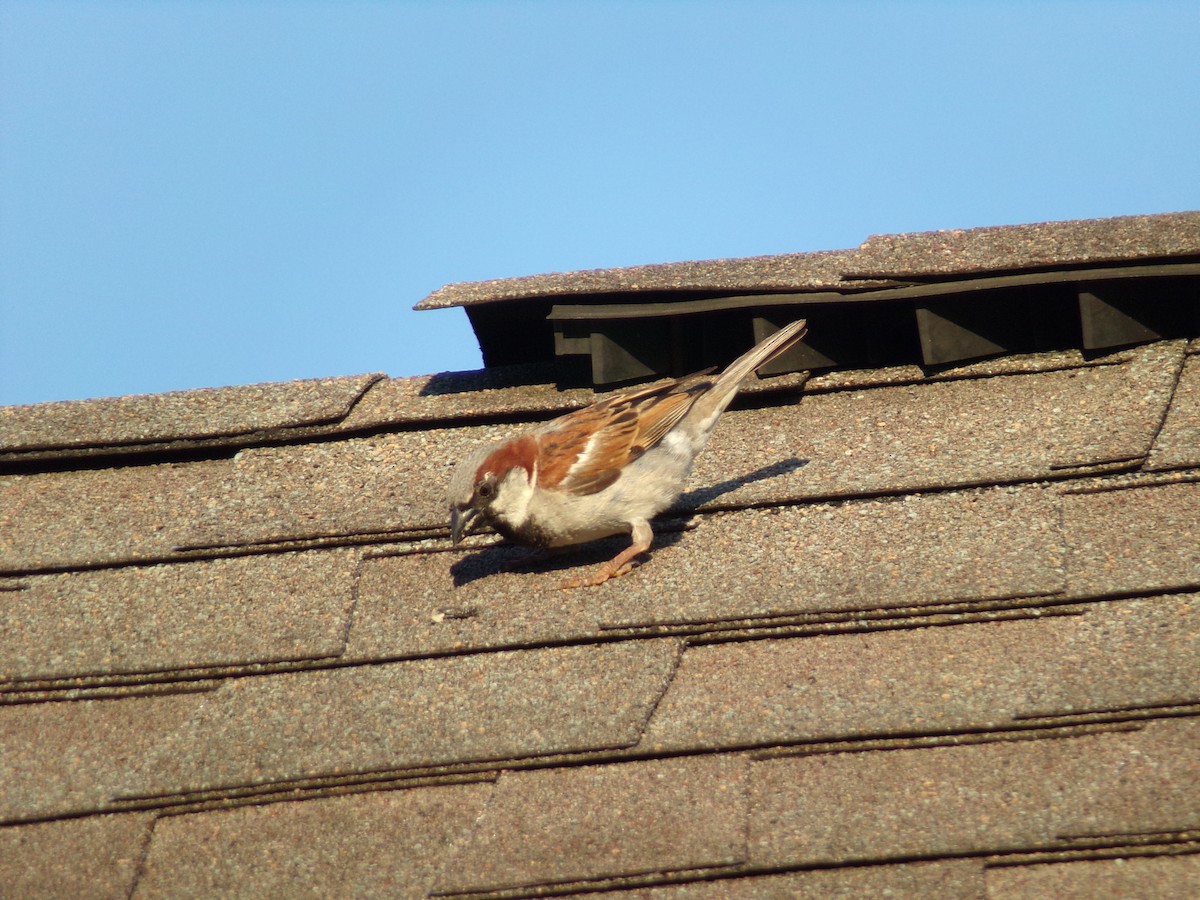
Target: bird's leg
(619,564)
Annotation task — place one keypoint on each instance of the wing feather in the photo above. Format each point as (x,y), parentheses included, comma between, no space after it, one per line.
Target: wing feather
(658,417)
(585,451)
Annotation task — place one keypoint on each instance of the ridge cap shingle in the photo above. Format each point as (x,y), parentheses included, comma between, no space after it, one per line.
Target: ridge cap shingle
(871,263)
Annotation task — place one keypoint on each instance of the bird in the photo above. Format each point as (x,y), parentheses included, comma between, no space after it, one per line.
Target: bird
(603,470)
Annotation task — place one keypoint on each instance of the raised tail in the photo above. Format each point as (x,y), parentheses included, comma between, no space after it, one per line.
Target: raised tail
(726,385)
(761,354)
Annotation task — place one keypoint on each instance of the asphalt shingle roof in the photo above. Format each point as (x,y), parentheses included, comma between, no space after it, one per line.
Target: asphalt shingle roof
(918,632)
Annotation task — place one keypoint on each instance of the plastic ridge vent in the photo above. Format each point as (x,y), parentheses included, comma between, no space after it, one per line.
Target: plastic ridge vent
(608,344)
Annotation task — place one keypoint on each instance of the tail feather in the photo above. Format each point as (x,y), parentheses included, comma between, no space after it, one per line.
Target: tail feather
(727,383)
(762,353)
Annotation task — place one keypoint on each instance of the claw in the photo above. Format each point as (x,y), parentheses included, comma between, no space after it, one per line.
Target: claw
(603,574)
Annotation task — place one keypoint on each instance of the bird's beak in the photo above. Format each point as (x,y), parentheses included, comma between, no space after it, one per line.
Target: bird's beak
(460,521)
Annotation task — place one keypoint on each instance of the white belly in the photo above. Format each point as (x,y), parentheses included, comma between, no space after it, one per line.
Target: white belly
(648,486)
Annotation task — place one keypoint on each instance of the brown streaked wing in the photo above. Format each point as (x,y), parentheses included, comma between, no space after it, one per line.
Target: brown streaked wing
(605,454)
(659,415)
(584,452)
(561,442)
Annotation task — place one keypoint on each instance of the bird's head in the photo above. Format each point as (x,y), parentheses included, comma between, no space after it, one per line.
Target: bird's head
(484,479)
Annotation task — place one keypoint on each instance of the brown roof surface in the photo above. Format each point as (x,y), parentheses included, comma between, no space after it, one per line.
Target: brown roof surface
(926,634)
(191,415)
(878,261)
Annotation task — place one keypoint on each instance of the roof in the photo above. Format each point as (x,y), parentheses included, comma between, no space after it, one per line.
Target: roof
(918,630)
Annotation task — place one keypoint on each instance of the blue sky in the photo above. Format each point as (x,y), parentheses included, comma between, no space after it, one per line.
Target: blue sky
(196,194)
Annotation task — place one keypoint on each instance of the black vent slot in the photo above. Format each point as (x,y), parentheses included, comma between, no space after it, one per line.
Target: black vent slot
(843,336)
(1119,313)
(994,323)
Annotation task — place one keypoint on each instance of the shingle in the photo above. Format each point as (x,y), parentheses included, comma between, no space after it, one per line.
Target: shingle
(980,798)
(1164,876)
(959,879)
(104,516)
(869,554)
(879,258)
(926,681)
(201,413)
(788,271)
(387,482)
(380,483)
(499,391)
(592,822)
(148,513)
(1178,444)
(63,758)
(132,514)
(130,425)
(384,844)
(137,619)
(67,756)
(941,434)
(1008,247)
(95,857)
(1133,539)
(420,713)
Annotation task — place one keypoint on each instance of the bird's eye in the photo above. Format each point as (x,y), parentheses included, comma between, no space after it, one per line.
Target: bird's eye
(485,490)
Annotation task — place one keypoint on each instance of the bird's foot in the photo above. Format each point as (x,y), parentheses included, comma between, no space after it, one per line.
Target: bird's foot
(601,575)
(620,564)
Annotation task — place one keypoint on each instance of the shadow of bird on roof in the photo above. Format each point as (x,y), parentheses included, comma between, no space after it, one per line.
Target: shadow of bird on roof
(709,493)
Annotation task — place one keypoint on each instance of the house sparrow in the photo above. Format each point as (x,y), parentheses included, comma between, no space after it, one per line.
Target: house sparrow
(603,470)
